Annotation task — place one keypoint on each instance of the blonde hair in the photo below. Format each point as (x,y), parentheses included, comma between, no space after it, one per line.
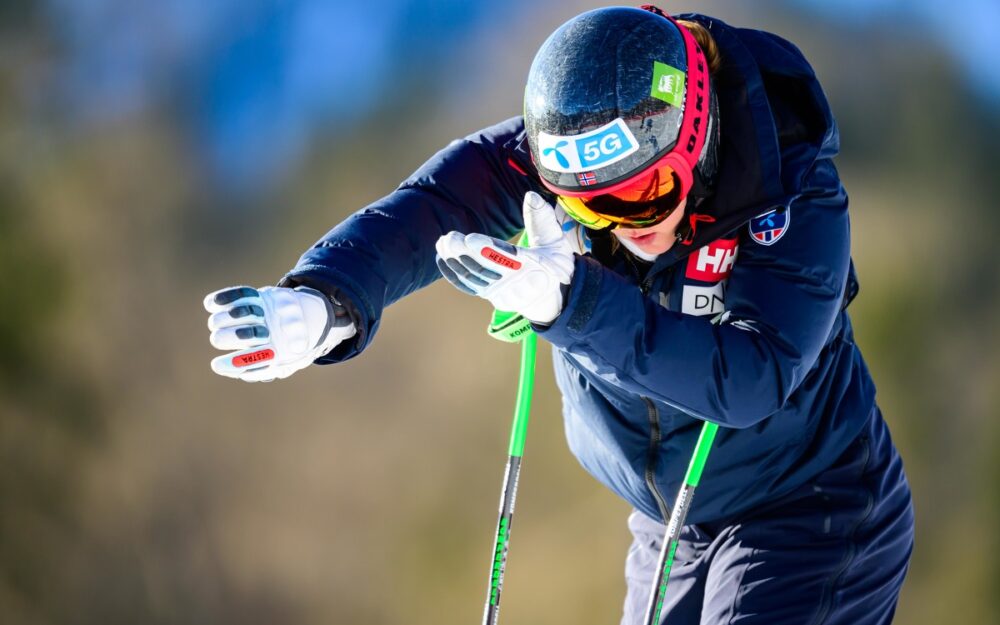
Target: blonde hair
(707,43)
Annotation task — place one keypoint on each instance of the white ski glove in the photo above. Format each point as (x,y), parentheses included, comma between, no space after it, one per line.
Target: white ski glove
(275,330)
(525,280)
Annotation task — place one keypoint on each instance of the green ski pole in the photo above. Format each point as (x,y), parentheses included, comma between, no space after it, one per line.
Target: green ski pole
(510,327)
(681,506)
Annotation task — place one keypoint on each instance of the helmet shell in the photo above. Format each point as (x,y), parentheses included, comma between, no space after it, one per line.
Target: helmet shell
(605,98)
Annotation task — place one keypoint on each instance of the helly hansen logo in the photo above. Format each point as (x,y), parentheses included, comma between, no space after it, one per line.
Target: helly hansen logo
(714,262)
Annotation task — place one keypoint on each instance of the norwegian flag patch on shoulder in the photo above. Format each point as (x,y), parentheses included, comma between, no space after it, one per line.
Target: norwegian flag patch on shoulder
(768,228)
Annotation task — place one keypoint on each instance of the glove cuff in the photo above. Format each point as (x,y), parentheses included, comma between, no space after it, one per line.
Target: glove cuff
(345,313)
(338,323)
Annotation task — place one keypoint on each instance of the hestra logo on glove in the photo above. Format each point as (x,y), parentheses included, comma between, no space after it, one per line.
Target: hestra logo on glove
(591,150)
(500,259)
(253,358)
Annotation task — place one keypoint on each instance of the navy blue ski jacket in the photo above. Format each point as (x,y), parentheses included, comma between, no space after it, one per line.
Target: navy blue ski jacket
(744,323)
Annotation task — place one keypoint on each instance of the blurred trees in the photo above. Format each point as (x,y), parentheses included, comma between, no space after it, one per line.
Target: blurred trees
(139,488)
(50,422)
(918,160)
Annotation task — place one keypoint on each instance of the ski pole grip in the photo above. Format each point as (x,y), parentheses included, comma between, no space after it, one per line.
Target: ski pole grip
(510,327)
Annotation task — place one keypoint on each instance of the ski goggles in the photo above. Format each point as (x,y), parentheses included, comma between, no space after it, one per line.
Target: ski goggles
(647,201)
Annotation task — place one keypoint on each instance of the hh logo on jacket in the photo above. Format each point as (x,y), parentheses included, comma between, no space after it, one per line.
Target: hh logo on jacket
(711,264)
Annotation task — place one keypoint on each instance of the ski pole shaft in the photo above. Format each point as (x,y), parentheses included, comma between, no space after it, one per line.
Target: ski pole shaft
(681,506)
(508,495)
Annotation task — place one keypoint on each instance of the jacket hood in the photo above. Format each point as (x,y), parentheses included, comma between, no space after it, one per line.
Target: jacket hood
(774,117)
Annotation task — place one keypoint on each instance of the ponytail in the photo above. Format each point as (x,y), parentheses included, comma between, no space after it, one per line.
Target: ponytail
(707,43)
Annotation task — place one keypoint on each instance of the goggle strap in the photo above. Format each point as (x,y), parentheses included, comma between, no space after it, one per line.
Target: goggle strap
(694,122)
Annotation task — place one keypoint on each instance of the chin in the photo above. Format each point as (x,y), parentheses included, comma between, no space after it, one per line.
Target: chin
(659,245)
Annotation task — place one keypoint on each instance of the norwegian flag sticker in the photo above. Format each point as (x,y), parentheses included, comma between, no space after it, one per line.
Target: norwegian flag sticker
(586,178)
(766,229)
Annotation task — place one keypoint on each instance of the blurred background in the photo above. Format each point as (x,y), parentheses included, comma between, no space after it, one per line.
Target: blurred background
(153,152)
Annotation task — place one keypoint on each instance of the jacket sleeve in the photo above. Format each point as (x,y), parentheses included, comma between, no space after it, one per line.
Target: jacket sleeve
(386,250)
(782,302)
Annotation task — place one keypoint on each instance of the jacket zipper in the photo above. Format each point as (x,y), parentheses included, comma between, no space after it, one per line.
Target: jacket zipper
(646,285)
(651,457)
(654,430)
(653,416)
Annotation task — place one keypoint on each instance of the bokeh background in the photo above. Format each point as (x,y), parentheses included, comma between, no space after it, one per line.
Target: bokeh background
(153,152)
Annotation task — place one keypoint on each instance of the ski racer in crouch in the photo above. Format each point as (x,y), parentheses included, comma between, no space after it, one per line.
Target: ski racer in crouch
(689,260)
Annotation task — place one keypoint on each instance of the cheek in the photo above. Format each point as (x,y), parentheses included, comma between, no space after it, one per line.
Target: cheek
(667,231)
(669,227)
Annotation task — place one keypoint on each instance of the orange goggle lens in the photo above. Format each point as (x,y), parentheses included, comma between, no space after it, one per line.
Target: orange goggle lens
(646,203)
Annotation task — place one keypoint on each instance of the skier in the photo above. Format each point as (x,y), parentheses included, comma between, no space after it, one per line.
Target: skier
(689,260)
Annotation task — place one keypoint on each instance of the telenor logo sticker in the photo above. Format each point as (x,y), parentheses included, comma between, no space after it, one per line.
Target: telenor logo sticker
(500,259)
(592,150)
(766,229)
(713,262)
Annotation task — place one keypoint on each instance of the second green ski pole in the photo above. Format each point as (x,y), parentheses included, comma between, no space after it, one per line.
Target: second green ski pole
(681,506)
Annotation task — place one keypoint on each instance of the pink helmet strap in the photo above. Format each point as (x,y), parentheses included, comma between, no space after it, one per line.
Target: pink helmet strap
(694,123)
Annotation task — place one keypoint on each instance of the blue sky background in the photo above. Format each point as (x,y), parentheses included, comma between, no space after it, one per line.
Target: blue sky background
(254,79)
(967,29)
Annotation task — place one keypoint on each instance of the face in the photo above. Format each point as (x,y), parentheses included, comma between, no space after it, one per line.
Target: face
(655,239)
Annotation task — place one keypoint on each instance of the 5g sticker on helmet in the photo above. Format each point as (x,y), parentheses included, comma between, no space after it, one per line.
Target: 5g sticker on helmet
(588,151)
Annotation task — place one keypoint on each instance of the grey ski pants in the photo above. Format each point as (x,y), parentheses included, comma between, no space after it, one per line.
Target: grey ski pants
(834,552)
